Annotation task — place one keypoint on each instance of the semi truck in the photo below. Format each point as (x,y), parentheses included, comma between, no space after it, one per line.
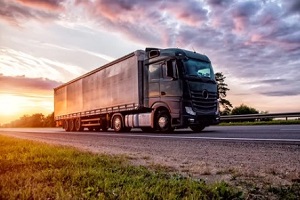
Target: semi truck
(156,90)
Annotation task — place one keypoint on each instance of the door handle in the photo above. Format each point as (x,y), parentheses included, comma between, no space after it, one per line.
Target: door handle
(163,93)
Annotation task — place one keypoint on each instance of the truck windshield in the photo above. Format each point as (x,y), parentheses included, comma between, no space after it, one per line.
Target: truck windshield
(197,68)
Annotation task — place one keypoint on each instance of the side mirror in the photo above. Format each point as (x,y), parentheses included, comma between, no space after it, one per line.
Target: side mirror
(171,69)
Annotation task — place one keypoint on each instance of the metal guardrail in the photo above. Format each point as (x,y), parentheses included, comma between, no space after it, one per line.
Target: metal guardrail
(260,116)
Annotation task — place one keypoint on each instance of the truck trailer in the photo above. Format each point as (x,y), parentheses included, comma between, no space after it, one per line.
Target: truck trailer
(157,90)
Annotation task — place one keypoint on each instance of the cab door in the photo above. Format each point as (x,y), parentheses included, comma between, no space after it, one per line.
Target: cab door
(164,86)
(170,87)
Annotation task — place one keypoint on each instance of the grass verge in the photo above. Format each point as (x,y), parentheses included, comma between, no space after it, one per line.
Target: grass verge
(31,170)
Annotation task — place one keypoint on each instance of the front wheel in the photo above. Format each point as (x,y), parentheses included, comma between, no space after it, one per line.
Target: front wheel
(163,122)
(197,128)
(118,124)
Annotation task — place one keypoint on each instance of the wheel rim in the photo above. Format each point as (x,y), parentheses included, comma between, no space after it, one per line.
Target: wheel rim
(162,121)
(117,123)
(77,124)
(72,125)
(66,125)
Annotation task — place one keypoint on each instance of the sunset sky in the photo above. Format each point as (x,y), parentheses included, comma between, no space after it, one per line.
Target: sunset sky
(44,43)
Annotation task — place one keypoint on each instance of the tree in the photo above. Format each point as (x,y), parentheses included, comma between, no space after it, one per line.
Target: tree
(35,120)
(243,110)
(222,90)
(267,118)
(49,120)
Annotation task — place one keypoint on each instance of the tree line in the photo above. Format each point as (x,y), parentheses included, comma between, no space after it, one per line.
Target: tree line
(34,120)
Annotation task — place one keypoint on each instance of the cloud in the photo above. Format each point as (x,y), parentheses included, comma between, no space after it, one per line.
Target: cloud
(17,11)
(22,84)
(292,6)
(18,63)
(150,22)
(43,4)
(220,3)
(281,93)
(250,40)
(21,95)
(276,87)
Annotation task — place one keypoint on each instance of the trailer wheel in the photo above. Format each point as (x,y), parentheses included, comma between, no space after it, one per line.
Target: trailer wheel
(72,124)
(67,125)
(198,128)
(163,122)
(118,124)
(78,126)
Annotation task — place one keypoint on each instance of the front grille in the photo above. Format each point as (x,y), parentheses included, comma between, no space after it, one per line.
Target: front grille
(202,104)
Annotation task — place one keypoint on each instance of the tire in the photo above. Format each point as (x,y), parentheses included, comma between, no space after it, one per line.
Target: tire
(163,122)
(198,128)
(78,126)
(118,125)
(67,125)
(72,124)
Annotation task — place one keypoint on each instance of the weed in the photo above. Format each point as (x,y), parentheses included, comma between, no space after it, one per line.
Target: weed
(31,170)
(290,192)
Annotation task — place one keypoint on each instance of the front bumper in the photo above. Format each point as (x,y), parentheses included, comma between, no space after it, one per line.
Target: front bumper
(205,120)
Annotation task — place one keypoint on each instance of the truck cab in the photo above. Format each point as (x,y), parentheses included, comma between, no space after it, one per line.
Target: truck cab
(182,90)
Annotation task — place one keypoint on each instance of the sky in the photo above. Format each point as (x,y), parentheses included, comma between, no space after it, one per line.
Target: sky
(44,43)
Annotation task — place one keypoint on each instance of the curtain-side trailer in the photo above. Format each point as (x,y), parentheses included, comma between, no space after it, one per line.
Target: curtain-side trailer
(155,90)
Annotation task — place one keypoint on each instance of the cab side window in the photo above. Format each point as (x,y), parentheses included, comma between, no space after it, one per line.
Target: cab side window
(154,71)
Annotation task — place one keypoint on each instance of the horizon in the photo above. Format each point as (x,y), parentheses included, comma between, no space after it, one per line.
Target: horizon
(43,44)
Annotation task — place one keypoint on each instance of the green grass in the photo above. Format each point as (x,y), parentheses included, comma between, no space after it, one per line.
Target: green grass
(273,122)
(31,170)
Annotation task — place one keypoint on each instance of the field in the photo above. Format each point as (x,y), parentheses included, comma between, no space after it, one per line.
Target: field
(32,170)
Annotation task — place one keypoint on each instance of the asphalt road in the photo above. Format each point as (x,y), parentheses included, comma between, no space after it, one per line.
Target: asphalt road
(268,133)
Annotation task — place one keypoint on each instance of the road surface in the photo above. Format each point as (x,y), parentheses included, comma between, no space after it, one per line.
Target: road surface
(274,133)
(268,153)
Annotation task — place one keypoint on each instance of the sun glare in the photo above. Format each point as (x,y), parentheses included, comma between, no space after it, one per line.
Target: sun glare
(10,104)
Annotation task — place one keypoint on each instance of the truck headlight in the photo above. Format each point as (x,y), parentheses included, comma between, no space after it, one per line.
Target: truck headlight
(189,110)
